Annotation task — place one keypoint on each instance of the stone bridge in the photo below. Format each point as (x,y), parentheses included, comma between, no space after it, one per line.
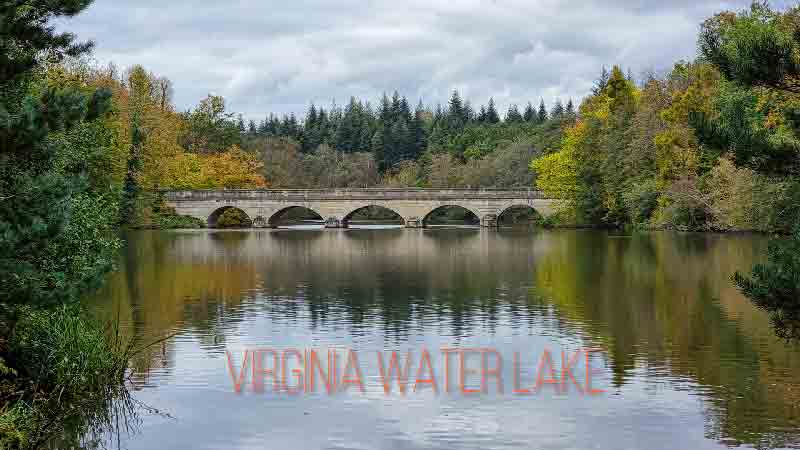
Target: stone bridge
(337,206)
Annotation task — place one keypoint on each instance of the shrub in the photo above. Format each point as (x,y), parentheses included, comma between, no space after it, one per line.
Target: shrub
(682,207)
(641,200)
(234,218)
(175,221)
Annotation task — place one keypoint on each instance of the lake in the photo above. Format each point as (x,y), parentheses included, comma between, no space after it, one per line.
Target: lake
(651,319)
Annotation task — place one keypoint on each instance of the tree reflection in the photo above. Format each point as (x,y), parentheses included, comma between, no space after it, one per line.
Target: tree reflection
(661,303)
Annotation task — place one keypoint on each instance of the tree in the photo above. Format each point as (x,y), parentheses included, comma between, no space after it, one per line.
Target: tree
(755,113)
(418,132)
(541,116)
(530,114)
(600,83)
(53,246)
(513,115)
(210,128)
(558,110)
(456,112)
(491,113)
(570,110)
(756,52)
(756,47)
(481,118)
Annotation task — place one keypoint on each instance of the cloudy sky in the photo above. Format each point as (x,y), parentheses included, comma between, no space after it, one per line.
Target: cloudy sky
(279,56)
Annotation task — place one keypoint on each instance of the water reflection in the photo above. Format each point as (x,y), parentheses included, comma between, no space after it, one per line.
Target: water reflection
(662,305)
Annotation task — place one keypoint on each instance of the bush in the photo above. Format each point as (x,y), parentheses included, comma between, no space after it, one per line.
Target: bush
(175,221)
(234,218)
(682,207)
(641,200)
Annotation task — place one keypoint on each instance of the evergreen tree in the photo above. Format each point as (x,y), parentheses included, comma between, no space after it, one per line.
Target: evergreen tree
(405,111)
(481,115)
(240,125)
(530,114)
(491,113)
(601,82)
(377,145)
(456,116)
(558,110)
(513,115)
(400,144)
(469,112)
(42,258)
(420,140)
(367,128)
(347,133)
(570,111)
(541,116)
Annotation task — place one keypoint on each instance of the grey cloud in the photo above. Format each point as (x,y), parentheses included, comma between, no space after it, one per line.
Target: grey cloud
(277,56)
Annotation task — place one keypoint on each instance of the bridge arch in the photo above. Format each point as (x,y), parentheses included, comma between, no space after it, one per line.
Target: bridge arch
(426,218)
(275,219)
(242,217)
(349,216)
(509,208)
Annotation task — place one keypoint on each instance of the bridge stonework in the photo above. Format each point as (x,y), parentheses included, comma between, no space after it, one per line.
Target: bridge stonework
(335,206)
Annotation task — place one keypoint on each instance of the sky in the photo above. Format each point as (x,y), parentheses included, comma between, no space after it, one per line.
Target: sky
(279,56)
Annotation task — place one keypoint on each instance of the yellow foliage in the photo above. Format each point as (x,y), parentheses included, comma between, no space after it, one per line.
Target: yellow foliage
(677,152)
(232,169)
(557,173)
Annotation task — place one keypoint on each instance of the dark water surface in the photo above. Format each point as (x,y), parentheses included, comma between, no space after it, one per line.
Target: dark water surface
(687,363)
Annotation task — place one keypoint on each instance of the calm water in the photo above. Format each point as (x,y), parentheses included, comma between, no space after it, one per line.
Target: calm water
(687,363)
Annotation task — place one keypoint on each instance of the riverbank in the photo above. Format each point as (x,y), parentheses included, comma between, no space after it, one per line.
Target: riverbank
(59,369)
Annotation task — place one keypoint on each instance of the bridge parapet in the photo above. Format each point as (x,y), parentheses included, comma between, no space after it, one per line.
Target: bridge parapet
(352,194)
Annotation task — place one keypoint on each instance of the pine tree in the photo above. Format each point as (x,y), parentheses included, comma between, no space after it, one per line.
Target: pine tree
(558,110)
(400,145)
(601,82)
(482,115)
(541,116)
(513,115)
(41,263)
(420,140)
(377,144)
(469,112)
(347,135)
(570,111)
(530,114)
(491,113)
(240,125)
(456,117)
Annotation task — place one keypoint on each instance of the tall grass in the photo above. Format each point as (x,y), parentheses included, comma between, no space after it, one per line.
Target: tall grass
(70,375)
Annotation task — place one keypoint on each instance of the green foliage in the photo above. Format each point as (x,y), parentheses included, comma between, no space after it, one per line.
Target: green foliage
(756,51)
(775,286)
(70,371)
(641,200)
(758,47)
(233,218)
(17,427)
(54,233)
(24,32)
(211,129)
(175,221)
